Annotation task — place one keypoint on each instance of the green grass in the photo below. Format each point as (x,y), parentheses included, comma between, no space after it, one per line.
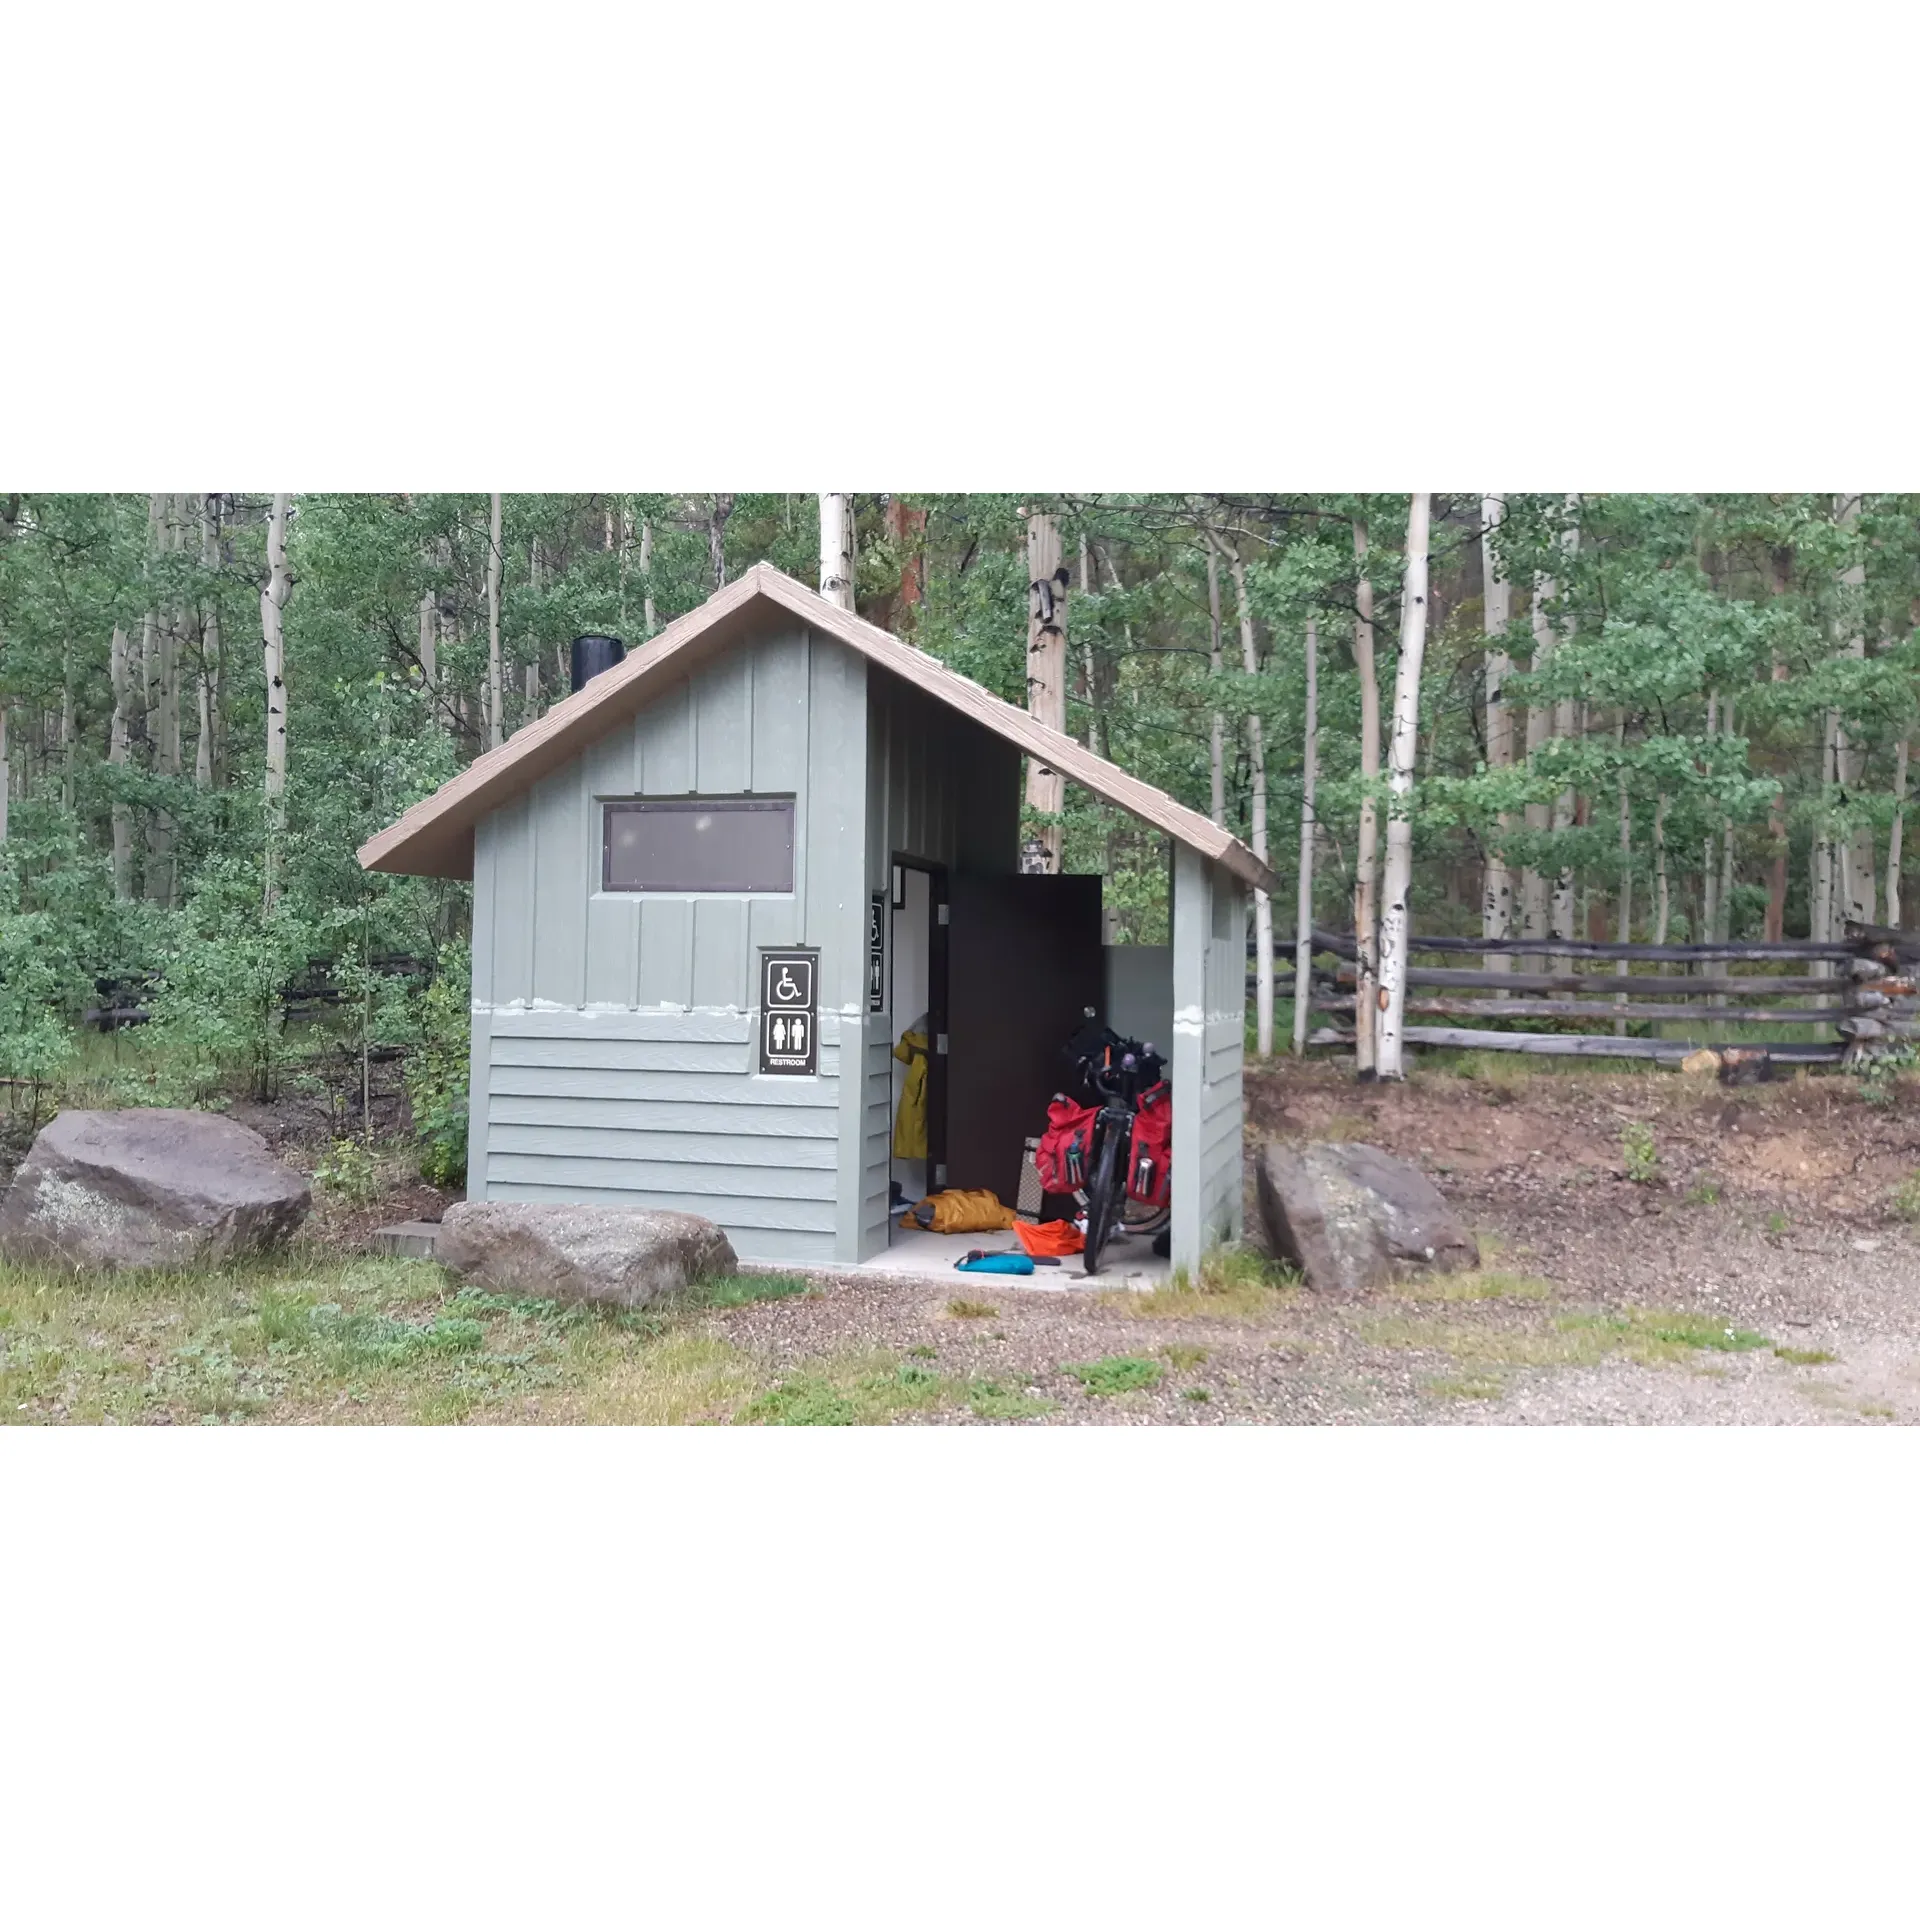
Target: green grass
(1237,1280)
(1804,1356)
(1487,1347)
(1181,1356)
(1905,1198)
(1195,1393)
(1007,1400)
(743,1289)
(1118,1373)
(308,1339)
(847,1391)
(964,1309)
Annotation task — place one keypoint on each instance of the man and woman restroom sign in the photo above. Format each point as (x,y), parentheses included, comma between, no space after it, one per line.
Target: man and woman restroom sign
(789,1011)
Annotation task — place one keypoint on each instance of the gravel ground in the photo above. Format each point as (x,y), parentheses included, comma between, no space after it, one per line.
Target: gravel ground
(1771,1213)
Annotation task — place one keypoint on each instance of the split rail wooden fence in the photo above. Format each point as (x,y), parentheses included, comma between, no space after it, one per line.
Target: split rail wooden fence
(1866,988)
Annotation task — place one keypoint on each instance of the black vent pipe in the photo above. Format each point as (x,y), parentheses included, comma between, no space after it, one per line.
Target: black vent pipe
(594,653)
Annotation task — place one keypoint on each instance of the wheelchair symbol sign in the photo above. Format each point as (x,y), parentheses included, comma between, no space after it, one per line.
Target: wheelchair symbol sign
(788,1009)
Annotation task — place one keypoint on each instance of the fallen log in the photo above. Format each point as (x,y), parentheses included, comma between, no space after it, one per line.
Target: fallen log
(1648,985)
(1342,944)
(1599,1046)
(1591,1010)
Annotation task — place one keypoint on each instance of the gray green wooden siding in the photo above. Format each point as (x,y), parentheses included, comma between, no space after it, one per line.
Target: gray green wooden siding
(614,1036)
(1209,1040)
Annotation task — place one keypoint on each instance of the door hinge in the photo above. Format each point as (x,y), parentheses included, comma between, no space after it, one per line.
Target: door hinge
(943,913)
(940,1043)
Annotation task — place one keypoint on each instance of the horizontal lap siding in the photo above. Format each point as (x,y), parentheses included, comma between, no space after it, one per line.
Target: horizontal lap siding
(1222,1106)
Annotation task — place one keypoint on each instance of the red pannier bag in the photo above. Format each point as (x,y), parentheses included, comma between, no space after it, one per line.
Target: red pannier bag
(1150,1176)
(1064,1157)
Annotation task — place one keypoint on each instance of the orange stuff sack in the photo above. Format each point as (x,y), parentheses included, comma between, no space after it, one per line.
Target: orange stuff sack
(1064,1157)
(1150,1173)
(1054,1239)
(960,1210)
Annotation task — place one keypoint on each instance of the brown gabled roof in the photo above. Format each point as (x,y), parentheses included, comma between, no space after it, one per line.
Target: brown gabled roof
(436,836)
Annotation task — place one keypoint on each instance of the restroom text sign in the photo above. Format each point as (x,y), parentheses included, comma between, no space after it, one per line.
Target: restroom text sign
(789,1011)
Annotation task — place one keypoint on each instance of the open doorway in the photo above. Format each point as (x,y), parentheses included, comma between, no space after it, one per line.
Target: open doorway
(910,996)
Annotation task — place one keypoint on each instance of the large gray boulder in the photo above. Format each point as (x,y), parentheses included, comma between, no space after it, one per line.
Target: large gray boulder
(615,1256)
(1350,1216)
(148,1187)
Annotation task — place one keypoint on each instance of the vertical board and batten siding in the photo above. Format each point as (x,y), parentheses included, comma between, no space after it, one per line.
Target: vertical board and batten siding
(939,788)
(1209,1036)
(614,1036)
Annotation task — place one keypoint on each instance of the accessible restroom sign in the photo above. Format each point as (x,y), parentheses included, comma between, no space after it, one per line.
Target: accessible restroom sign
(789,1011)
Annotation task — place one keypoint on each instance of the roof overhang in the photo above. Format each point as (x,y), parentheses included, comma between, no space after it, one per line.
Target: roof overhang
(435,836)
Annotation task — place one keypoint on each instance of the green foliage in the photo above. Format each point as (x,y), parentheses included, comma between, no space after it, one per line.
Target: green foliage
(1118,1373)
(1642,1156)
(745,1289)
(1906,1197)
(437,1068)
(347,1171)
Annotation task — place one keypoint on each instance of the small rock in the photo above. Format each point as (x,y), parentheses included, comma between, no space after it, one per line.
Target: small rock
(616,1256)
(1346,1214)
(1866,1246)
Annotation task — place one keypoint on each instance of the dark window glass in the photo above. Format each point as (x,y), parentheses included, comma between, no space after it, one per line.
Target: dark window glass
(698,846)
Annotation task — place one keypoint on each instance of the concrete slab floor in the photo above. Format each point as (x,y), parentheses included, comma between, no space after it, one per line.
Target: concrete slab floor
(927,1258)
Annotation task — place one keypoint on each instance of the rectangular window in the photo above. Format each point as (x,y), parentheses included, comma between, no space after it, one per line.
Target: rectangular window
(697,846)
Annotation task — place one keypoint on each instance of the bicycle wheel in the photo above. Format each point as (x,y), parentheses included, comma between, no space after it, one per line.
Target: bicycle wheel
(1106,1190)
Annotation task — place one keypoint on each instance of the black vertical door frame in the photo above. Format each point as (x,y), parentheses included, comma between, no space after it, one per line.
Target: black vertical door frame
(936,1004)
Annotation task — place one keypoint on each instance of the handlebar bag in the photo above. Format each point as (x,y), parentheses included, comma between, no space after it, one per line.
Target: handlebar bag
(1150,1174)
(1064,1157)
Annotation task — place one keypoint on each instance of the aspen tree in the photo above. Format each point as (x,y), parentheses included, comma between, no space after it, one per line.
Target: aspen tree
(646,574)
(1400,756)
(720,513)
(6,769)
(1854,891)
(1366,918)
(1894,832)
(1303,906)
(1566,724)
(117,757)
(1496,893)
(1047,583)
(1088,664)
(1218,742)
(836,553)
(205,756)
(273,601)
(495,729)
(1257,766)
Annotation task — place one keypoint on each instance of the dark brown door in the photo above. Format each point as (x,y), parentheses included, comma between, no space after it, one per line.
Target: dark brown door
(1023,965)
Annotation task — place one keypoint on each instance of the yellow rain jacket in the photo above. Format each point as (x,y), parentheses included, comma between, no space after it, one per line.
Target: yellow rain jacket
(910,1123)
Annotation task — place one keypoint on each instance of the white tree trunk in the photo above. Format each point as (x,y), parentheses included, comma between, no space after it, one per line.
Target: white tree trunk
(1662,898)
(1856,852)
(1046,683)
(117,737)
(1895,832)
(1496,893)
(1366,917)
(646,574)
(1534,920)
(495,672)
(836,551)
(1257,767)
(1400,756)
(6,771)
(1822,916)
(429,652)
(1625,925)
(1303,906)
(273,600)
(1218,743)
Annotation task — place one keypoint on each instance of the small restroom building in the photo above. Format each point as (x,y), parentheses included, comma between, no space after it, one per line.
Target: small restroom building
(716,888)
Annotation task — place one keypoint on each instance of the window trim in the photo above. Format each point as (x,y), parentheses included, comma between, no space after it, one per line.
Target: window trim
(788,803)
